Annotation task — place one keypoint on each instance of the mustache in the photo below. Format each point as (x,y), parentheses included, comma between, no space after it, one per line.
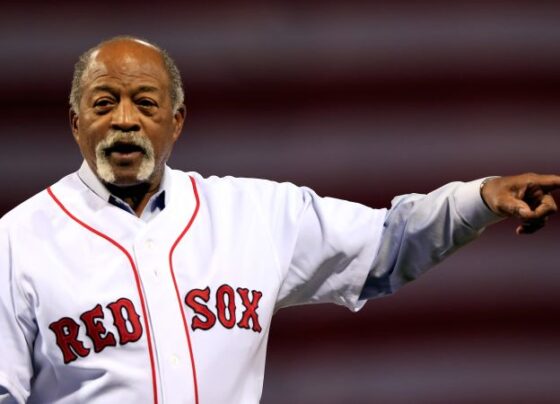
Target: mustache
(125,139)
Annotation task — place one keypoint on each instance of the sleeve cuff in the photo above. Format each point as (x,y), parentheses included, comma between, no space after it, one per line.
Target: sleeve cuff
(472,208)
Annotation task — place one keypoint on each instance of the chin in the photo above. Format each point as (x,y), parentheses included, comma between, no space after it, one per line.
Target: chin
(129,179)
(127,182)
(124,176)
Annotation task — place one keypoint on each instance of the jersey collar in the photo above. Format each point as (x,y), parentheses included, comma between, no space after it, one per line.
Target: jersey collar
(155,205)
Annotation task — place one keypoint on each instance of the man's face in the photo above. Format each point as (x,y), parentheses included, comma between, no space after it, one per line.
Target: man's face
(126,126)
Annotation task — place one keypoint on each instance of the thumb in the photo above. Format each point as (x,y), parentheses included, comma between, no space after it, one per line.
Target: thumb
(512,206)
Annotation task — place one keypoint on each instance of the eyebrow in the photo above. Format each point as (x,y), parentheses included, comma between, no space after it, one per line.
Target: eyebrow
(147,89)
(112,90)
(104,87)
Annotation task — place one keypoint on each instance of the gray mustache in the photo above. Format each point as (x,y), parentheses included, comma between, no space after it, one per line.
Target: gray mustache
(121,138)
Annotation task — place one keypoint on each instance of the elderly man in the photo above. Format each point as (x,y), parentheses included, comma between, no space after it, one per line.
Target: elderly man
(130,282)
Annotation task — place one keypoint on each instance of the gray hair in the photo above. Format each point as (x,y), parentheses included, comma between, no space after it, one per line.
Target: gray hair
(176,84)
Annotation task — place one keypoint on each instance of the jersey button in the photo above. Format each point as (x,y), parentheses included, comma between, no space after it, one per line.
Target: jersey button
(174,359)
(150,244)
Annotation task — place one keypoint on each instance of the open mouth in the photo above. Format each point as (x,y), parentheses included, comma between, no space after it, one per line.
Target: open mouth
(124,149)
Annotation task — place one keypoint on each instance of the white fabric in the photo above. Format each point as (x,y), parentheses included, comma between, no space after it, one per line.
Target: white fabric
(245,237)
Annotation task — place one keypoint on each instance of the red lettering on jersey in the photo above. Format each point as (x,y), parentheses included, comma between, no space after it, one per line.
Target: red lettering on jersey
(226,302)
(133,331)
(66,331)
(208,318)
(251,306)
(96,330)
(227,321)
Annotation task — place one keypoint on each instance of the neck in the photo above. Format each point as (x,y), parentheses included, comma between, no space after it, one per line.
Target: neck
(136,196)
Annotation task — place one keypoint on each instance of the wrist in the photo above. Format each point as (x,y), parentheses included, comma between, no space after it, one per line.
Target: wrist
(483,185)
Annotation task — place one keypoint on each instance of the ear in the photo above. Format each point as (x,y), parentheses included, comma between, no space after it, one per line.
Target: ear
(179,120)
(74,123)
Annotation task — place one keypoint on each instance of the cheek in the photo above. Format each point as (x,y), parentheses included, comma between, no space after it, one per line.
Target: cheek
(88,140)
(88,144)
(163,139)
(88,152)
(163,148)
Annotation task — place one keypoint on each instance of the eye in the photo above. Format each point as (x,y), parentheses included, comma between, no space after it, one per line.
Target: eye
(103,104)
(146,103)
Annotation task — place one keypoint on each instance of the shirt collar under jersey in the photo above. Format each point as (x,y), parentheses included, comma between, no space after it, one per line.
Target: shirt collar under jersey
(155,205)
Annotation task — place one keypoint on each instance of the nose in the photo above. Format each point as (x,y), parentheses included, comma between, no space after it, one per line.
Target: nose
(125,117)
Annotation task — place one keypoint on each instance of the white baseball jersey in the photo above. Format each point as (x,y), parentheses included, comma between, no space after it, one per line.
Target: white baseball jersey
(100,306)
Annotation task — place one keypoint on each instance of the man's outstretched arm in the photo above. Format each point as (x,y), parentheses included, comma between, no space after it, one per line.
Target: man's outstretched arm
(422,230)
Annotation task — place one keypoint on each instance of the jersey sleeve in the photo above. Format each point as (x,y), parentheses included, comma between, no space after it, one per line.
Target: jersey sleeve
(16,331)
(326,246)
(343,252)
(421,230)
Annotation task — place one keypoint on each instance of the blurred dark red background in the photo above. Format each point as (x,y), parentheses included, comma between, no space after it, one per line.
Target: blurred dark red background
(359,100)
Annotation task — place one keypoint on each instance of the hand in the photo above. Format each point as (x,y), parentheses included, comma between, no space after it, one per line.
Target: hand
(525,196)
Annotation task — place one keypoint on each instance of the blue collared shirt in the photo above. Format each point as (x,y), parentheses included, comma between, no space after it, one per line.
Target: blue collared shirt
(155,205)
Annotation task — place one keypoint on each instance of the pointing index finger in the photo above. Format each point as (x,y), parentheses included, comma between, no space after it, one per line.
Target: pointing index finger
(548,182)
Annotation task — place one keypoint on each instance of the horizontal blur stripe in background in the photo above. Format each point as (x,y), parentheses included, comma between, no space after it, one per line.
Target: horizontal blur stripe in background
(359,100)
